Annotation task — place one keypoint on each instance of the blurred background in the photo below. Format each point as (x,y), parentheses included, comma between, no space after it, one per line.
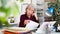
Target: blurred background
(11,10)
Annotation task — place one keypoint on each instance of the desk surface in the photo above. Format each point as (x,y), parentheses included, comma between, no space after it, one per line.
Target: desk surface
(33,32)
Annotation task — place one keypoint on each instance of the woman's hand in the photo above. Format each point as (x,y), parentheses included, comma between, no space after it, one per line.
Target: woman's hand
(34,14)
(26,22)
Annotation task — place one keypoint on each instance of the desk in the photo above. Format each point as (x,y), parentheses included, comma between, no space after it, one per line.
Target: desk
(33,32)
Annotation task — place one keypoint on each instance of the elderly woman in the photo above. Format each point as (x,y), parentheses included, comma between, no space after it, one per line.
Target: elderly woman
(29,15)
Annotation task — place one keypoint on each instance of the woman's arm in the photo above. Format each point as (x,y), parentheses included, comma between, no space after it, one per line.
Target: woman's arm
(26,22)
(36,20)
(23,21)
(35,16)
(21,24)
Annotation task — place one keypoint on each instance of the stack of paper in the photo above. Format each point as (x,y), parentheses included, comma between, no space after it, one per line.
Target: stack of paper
(32,25)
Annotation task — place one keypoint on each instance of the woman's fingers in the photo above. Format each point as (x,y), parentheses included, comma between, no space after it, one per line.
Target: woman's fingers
(26,22)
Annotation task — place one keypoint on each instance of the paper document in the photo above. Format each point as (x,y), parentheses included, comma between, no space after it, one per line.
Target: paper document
(32,25)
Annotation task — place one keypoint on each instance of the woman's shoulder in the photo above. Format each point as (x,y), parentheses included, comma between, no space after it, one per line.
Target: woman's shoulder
(23,15)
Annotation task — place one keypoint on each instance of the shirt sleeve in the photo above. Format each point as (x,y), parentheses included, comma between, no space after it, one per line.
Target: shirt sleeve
(21,24)
(36,20)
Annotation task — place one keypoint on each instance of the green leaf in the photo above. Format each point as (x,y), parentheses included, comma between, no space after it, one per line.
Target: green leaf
(15,10)
(8,11)
(21,0)
(2,9)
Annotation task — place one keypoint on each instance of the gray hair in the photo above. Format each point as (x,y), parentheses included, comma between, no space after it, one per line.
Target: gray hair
(31,5)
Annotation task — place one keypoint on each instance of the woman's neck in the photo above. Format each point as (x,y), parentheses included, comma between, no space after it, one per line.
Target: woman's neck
(29,16)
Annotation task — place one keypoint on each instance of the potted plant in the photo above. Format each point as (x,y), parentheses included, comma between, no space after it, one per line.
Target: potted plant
(6,12)
(56,15)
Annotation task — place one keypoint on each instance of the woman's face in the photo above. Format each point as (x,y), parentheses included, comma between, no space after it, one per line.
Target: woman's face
(30,11)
